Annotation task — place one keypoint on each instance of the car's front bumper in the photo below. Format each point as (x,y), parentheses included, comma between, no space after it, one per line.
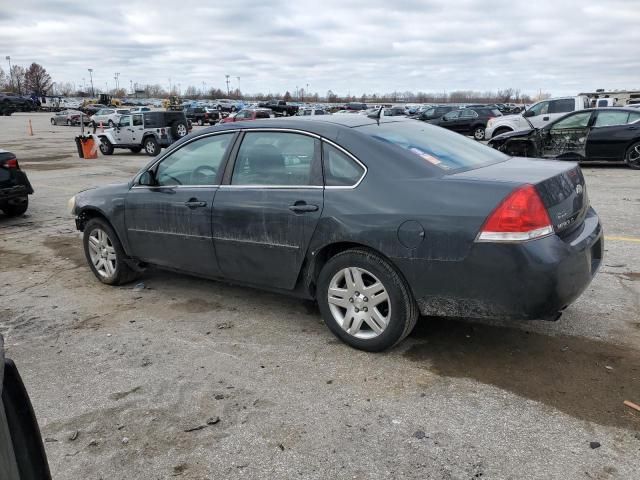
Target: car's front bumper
(521,281)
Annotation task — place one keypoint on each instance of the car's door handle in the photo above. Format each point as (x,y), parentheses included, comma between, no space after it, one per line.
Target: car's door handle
(194,203)
(545,118)
(303,208)
(632,128)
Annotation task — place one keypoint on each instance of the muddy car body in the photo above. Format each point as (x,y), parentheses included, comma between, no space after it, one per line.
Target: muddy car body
(315,208)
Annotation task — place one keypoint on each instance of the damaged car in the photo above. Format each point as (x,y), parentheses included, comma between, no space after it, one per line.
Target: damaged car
(377,220)
(602,134)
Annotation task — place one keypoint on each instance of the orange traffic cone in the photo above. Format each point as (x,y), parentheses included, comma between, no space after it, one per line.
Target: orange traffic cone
(30,130)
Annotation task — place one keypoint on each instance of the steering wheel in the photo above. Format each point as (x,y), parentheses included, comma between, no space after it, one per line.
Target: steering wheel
(206,171)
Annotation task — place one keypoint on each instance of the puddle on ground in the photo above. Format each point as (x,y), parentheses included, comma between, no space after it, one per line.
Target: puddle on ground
(563,372)
(67,247)
(45,166)
(196,306)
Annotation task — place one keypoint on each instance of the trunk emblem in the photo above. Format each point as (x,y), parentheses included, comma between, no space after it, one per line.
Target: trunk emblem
(579,189)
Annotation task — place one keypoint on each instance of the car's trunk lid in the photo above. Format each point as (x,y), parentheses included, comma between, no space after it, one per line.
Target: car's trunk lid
(560,185)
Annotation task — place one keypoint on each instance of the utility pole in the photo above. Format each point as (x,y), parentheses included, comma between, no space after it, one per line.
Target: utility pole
(227,76)
(239,91)
(8,58)
(93,93)
(131,83)
(116,77)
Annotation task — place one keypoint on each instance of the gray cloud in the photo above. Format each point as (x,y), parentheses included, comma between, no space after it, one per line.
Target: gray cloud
(362,45)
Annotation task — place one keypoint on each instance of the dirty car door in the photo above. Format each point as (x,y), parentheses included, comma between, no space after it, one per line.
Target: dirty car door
(168,213)
(263,219)
(613,131)
(567,137)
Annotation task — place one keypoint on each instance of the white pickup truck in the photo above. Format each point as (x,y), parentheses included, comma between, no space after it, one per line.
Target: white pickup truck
(537,116)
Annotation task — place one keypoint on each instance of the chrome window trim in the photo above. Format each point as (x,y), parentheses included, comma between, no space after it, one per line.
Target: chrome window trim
(239,187)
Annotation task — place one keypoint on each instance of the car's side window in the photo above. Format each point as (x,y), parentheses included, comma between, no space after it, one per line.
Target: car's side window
(452,115)
(340,170)
(579,120)
(539,109)
(564,105)
(125,121)
(196,163)
(633,117)
(137,120)
(468,114)
(608,118)
(274,159)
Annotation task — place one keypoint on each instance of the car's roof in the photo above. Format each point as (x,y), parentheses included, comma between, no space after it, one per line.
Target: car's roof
(311,124)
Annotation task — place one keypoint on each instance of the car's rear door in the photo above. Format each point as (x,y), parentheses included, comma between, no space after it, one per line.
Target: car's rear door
(169,222)
(267,209)
(613,131)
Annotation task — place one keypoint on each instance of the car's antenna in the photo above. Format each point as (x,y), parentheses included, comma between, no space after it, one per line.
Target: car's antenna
(376,115)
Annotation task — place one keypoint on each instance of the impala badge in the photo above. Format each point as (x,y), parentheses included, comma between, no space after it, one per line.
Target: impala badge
(579,189)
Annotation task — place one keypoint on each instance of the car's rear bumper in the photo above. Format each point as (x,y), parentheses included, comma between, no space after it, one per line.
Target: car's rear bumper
(525,281)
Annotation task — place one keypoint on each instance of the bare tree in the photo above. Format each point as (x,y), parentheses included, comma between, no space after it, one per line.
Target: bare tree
(17,79)
(37,80)
(65,88)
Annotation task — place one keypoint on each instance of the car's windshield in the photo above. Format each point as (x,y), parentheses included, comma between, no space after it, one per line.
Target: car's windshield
(438,146)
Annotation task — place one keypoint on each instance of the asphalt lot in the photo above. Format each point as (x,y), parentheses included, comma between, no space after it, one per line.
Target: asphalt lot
(141,373)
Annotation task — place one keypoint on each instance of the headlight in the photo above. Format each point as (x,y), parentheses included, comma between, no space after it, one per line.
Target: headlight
(490,122)
(71,204)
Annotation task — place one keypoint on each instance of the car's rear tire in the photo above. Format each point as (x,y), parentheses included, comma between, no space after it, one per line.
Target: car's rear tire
(632,157)
(106,147)
(478,133)
(364,301)
(17,207)
(105,254)
(179,129)
(136,149)
(151,146)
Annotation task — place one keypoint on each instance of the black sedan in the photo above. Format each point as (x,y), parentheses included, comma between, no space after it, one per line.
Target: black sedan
(468,121)
(14,186)
(378,220)
(599,134)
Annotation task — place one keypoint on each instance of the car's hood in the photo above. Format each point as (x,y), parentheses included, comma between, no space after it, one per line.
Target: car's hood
(520,133)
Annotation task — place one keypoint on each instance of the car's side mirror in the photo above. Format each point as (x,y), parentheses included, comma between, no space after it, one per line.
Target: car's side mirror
(147,179)
(529,113)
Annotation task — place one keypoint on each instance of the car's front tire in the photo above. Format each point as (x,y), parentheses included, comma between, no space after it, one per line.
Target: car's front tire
(106,147)
(104,253)
(364,301)
(632,158)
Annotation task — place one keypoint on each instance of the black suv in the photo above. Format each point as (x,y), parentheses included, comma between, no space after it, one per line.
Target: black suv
(434,112)
(468,121)
(200,115)
(14,186)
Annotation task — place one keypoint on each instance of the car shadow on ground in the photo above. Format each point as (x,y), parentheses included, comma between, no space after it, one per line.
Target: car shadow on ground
(584,378)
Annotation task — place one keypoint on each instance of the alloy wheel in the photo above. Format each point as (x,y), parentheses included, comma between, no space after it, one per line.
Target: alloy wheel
(359,302)
(479,134)
(102,253)
(633,156)
(182,130)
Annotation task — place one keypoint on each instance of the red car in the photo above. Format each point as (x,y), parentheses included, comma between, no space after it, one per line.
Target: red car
(248,114)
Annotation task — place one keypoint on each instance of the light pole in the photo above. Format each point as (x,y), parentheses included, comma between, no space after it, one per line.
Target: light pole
(8,58)
(93,93)
(116,77)
(227,76)
(131,82)
(239,91)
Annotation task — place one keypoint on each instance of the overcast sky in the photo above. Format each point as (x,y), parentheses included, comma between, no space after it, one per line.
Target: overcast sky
(559,46)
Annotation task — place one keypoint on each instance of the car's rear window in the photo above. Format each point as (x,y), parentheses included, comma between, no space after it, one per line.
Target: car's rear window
(440,147)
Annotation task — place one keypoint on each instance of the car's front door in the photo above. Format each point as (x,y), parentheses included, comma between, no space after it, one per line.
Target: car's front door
(567,138)
(265,214)
(449,120)
(137,128)
(168,213)
(123,132)
(613,131)
(466,119)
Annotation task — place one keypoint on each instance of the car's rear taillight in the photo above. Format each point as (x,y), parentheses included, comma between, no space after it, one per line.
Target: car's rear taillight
(519,217)
(12,163)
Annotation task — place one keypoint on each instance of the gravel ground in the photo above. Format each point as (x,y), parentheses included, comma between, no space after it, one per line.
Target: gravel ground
(183,377)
